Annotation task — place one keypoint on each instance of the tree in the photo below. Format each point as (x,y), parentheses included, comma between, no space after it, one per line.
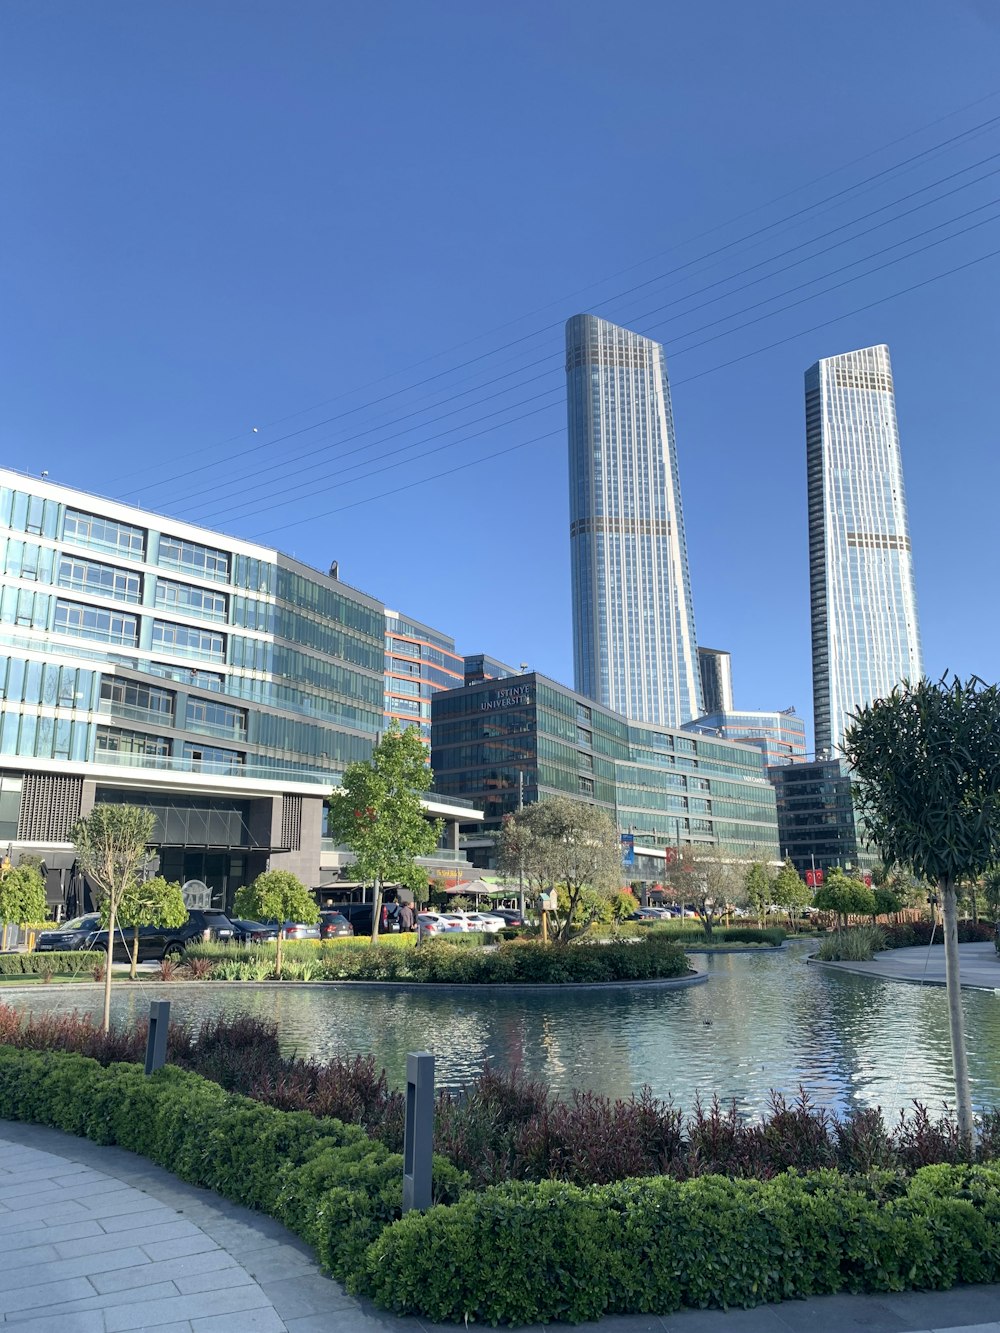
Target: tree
(844,896)
(790,891)
(566,845)
(708,883)
(22,895)
(150,902)
(112,846)
(759,889)
(623,904)
(926,760)
(377,814)
(888,900)
(276,895)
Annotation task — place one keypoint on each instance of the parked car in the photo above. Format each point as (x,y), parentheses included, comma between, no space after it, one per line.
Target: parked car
(157,942)
(360,916)
(485,922)
(509,915)
(436,923)
(648,916)
(253,932)
(76,934)
(334,925)
(298,930)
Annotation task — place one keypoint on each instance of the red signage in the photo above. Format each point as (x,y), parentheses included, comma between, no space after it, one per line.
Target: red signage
(814,878)
(670,856)
(867,879)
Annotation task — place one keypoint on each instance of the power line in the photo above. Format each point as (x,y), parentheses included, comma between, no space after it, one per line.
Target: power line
(325,449)
(944,144)
(302,487)
(836,319)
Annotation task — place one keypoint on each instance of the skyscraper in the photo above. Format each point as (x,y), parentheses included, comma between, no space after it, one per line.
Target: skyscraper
(865,637)
(634,642)
(716,680)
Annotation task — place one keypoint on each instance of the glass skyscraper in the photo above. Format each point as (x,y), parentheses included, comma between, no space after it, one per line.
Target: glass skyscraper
(865,637)
(634,641)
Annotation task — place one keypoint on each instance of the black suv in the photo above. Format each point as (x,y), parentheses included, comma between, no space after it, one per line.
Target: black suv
(76,934)
(360,916)
(156,942)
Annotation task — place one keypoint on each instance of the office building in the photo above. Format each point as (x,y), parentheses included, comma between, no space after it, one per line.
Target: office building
(634,643)
(480,666)
(780,736)
(220,683)
(865,636)
(716,668)
(526,737)
(418,661)
(817,827)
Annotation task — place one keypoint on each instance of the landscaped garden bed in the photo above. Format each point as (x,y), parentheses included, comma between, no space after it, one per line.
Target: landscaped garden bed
(637,1182)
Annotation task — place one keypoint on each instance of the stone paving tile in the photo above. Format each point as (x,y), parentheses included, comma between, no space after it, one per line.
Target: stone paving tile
(38,1298)
(39,1235)
(234,1276)
(173,1249)
(273,1262)
(21,1261)
(154,1215)
(216,1265)
(79,1265)
(90,1321)
(42,1214)
(357,1320)
(149,1313)
(250,1321)
(307,1294)
(117,1205)
(156,1291)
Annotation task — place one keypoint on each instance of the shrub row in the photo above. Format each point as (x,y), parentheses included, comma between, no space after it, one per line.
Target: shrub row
(39,964)
(694,935)
(505,1126)
(908,934)
(326,1181)
(512,962)
(522,1253)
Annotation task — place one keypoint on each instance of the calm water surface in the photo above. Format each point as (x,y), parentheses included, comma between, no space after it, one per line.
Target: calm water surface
(762,1022)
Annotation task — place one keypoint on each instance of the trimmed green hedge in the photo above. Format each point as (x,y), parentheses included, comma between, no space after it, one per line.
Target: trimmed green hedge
(524,962)
(70,961)
(521,1253)
(328,1182)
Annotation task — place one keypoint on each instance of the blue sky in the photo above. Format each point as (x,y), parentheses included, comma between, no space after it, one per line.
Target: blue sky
(277,213)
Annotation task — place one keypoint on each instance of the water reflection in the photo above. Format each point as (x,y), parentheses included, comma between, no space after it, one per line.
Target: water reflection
(762,1022)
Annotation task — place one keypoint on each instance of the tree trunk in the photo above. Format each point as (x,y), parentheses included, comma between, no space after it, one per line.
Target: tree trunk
(376,910)
(134,958)
(959,1055)
(277,953)
(106,1019)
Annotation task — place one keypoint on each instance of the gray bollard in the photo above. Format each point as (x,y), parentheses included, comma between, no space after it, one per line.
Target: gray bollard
(418,1134)
(156,1042)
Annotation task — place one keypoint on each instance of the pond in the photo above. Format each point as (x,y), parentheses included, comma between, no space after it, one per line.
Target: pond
(763,1021)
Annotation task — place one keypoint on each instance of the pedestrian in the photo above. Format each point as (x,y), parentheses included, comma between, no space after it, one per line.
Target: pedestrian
(406,917)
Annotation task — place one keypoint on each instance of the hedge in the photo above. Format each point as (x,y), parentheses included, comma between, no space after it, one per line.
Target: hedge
(326,1181)
(523,1253)
(71,961)
(524,962)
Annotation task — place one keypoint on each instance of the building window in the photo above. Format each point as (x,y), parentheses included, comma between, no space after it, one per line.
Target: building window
(131,698)
(586,786)
(188,640)
(212,759)
(105,533)
(191,601)
(216,718)
(99,580)
(204,560)
(94,622)
(205,680)
(131,747)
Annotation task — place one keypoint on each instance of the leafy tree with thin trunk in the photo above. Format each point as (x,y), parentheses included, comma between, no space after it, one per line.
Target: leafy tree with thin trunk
(276,895)
(112,846)
(22,895)
(844,896)
(791,892)
(150,902)
(378,815)
(709,884)
(569,847)
(758,887)
(926,762)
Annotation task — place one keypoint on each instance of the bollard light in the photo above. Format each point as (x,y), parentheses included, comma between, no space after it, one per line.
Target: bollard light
(418,1133)
(156,1041)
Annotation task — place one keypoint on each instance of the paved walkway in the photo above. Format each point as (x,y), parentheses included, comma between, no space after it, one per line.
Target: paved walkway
(97,1240)
(979,965)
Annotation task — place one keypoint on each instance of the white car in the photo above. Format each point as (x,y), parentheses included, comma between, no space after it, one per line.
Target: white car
(460,920)
(485,922)
(434,923)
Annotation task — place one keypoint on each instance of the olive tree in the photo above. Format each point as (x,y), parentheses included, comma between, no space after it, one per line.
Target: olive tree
(567,846)
(926,763)
(791,891)
(276,895)
(709,883)
(112,846)
(758,888)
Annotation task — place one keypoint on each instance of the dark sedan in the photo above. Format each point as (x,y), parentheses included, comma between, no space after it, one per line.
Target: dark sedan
(76,934)
(253,932)
(333,926)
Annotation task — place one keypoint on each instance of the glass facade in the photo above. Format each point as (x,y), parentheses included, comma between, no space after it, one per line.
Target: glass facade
(865,635)
(524,737)
(107,656)
(780,736)
(816,823)
(716,668)
(634,642)
(419,661)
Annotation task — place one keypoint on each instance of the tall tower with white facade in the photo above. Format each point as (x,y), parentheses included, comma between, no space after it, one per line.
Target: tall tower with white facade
(634,643)
(865,636)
